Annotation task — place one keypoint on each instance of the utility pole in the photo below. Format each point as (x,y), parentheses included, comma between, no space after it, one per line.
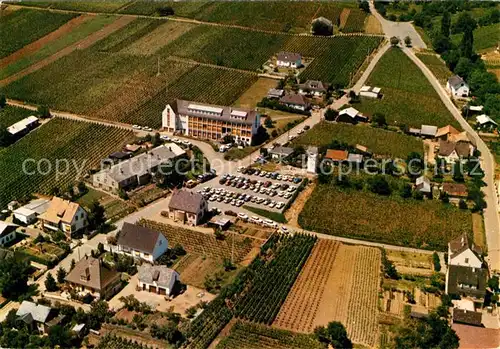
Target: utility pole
(158,73)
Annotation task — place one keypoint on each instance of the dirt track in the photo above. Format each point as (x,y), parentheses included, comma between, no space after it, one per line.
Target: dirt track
(80,45)
(36,45)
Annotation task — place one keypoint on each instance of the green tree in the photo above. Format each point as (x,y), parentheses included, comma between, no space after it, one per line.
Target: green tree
(334,334)
(61,275)
(493,283)
(458,171)
(467,44)
(321,28)
(331,114)
(394,41)
(363,5)
(3,101)
(405,191)
(415,164)
(462,204)
(96,215)
(60,336)
(379,119)
(446,24)
(13,278)
(268,122)
(379,185)
(436,261)
(408,41)
(43,111)
(50,283)
(5,138)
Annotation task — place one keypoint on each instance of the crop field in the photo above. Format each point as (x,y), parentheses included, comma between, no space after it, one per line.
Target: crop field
(9,115)
(484,37)
(80,32)
(408,97)
(258,291)
(25,26)
(245,335)
(84,6)
(393,220)
(355,22)
(112,342)
(21,179)
(201,243)
(436,66)
(379,141)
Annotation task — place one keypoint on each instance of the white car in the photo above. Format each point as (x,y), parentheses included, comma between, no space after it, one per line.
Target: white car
(242,216)
(255,219)
(175,140)
(136,127)
(165,138)
(284,229)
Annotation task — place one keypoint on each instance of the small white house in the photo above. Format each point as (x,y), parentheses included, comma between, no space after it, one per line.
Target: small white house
(289,60)
(370,92)
(312,159)
(457,87)
(7,233)
(484,121)
(141,242)
(462,253)
(157,279)
(25,216)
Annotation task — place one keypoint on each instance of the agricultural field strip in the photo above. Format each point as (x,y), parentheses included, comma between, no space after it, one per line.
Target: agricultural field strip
(301,306)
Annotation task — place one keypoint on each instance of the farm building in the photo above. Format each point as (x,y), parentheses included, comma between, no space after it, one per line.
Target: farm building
(452,152)
(64,215)
(370,92)
(187,207)
(312,159)
(39,317)
(280,153)
(336,155)
(90,276)
(275,93)
(351,115)
(141,242)
(211,121)
(29,213)
(484,121)
(295,101)
(288,60)
(423,185)
(137,170)
(7,233)
(313,87)
(428,131)
(457,87)
(157,279)
(22,127)
(455,190)
(446,132)
(25,216)
(363,149)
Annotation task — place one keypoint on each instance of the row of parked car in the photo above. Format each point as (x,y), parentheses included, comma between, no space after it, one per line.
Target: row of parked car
(267,187)
(271,175)
(262,221)
(237,199)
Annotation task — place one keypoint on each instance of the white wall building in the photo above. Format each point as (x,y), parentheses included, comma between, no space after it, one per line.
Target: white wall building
(141,242)
(312,159)
(7,233)
(157,279)
(457,87)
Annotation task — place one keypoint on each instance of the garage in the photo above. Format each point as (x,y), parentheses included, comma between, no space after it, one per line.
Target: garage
(152,288)
(162,291)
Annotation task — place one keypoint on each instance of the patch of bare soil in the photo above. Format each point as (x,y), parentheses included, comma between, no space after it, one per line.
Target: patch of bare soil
(292,214)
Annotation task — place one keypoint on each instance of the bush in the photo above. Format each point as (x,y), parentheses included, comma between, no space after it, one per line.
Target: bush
(436,261)
(164,11)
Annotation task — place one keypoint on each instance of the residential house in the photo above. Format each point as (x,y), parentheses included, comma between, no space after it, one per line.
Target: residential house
(280,153)
(467,317)
(39,317)
(138,170)
(64,215)
(157,279)
(295,101)
(324,21)
(313,87)
(187,207)
(370,92)
(275,93)
(462,252)
(29,213)
(336,155)
(23,126)
(455,190)
(462,137)
(351,115)
(312,159)
(363,150)
(90,276)
(457,87)
(7,233)
(444,133)
(485,122)
(288,60)
(423,185)
(428,131)
(211,121)
(141,242)
(452,152)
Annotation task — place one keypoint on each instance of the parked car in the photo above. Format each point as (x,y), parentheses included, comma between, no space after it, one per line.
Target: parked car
(242,215)
(230,213)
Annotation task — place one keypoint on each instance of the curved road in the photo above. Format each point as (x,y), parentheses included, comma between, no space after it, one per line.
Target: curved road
(491,220)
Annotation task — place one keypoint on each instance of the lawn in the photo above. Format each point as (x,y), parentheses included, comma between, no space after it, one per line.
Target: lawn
(255,93)
(437,66)
(9,115)
(393,220)
(25,26)
(408,97)
(379,141)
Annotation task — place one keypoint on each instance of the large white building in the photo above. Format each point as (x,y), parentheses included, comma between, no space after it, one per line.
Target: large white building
(210,121)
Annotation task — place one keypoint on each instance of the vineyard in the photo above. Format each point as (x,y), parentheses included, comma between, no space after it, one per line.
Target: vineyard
(379,141)
(409,98)
(112,342)
(393,220)
(245,335)
(9,115)
(201,243)
(79,146)
(25,26)
(436,65)
(302,304)
(258,291)
(355,22)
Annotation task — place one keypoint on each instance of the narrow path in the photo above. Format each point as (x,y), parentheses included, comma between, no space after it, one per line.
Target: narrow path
(193,62)
(366,74)
(80,45)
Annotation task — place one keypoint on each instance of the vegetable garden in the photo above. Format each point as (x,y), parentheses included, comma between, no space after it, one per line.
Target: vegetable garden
(79,146)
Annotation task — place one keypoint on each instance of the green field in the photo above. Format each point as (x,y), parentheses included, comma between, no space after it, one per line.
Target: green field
(364,215)
(409,98)
(379,141)
(355,22)
(436,66)
(83,6)
(19,28)
(81,144)
(9,115)
(245,335)
(484,37)
(79,33)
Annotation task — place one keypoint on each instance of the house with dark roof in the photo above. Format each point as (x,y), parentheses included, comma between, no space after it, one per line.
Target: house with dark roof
(157,279)
(457,87)
(187,207)
(280,153)
(295,101)
(467,317)
(141,242)
(7,232)
(91,276)
(275,93)
(452,152)
(39,317)
(462,252)
(288,60)
(313,87)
